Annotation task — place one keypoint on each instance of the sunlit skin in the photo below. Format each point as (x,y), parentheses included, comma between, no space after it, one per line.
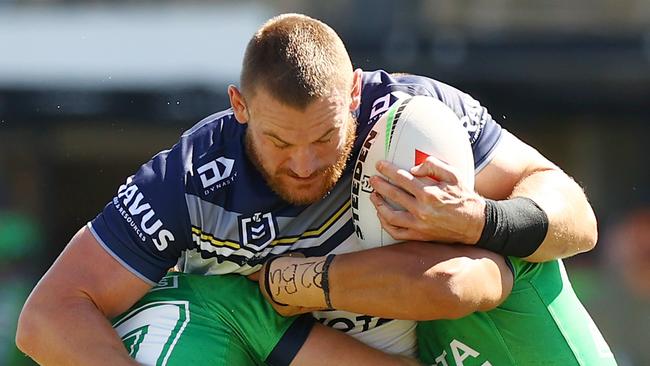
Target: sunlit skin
(300,153)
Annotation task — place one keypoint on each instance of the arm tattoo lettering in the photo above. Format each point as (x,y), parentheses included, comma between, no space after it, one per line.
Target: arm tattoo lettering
(290,279)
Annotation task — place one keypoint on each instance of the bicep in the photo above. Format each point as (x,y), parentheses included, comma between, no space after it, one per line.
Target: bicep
(86,271)
(481,279)
(474,279)
(512,161)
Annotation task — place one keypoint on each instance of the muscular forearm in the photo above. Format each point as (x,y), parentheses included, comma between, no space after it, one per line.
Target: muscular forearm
(572,223)
(69,332)
(419,281)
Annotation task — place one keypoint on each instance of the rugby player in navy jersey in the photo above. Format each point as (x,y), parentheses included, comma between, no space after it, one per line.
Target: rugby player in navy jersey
(269,176)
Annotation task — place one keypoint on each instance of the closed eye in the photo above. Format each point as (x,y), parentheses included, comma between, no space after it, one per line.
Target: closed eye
(280,145)
(327,137)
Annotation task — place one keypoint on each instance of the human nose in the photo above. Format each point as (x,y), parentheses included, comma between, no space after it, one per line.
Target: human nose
(304,162)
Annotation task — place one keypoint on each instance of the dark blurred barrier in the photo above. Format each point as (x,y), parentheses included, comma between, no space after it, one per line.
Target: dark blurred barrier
(40,108)
(532,76)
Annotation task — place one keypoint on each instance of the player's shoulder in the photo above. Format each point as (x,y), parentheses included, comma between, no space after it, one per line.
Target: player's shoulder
(217,134)
(216,131)
(213,152)
(381,89)
(167,171)
(379,83)
(204,156)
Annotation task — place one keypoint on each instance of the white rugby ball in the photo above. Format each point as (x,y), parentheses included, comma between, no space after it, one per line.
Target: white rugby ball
(412,129)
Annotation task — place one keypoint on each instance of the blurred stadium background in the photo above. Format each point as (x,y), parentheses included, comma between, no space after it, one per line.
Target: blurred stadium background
(90,90)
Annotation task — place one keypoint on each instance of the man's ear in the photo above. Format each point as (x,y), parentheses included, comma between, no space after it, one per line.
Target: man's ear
(356,90)
(238,104)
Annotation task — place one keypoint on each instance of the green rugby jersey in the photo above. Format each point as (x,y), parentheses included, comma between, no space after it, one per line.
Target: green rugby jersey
(542,322)
(209,320)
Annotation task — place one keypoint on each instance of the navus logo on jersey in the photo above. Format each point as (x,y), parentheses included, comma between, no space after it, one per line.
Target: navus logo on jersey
(257,231)
(138,213)
(217,174)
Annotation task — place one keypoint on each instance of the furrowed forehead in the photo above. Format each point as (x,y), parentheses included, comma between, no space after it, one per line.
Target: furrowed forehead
(278,119)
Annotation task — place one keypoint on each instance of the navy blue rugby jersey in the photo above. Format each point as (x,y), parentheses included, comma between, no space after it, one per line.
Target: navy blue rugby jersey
(203,206)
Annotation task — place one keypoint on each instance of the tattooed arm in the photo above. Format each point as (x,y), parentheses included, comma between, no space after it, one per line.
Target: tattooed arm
(419,281)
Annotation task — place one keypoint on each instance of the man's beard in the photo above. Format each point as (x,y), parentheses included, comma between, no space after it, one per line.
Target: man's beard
(330,175)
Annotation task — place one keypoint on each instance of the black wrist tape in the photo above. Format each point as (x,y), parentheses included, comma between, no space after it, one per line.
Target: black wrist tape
(326,280)
(515,227)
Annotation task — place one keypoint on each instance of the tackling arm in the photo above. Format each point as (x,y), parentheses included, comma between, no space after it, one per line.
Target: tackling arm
(64,321)
(419,281)
(519,170)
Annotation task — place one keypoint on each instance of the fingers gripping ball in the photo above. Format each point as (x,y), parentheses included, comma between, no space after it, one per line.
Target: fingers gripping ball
(410,131)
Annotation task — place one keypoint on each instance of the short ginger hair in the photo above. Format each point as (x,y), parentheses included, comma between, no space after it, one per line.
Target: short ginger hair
(296,59)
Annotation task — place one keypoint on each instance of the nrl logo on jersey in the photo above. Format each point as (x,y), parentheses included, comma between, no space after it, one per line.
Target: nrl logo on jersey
(217,174)
(257,231)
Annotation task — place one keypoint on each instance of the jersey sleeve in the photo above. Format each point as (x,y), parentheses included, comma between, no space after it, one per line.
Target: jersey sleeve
(145,226)
(483,131)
